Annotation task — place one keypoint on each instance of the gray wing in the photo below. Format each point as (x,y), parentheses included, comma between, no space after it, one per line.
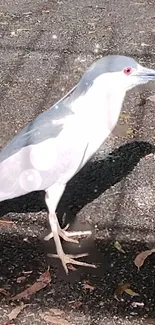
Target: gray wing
(46,151)
(39,166)
(40,129)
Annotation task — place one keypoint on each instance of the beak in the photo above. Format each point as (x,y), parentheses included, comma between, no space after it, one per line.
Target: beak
(146,74)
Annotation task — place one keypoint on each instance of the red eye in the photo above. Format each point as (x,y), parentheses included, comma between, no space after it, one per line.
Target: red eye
(127,70)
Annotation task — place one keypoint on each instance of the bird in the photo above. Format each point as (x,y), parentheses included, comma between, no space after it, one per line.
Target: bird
(56,145)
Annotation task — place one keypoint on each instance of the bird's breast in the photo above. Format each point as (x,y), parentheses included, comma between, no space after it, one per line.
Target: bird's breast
(99,121)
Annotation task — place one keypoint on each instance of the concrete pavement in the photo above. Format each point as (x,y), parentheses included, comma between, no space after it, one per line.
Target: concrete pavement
(45,46)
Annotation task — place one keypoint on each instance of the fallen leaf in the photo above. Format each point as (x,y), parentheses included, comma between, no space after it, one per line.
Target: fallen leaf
(149,155)
(131,292)
(6,222)
(27,13)
(141,257)
(13,33)
(41,283)
(48,317)
(135,304)
(89,286)
(152,98)
(124,115)
(129,132)
(15,312)
(121,289)
(4,292)
(144,44)
(46,11)
(75,304)
(6,323)
(124,287)
(20,279)
(27,272)
(55,320)
(118,246)
(19,30)
(55,311)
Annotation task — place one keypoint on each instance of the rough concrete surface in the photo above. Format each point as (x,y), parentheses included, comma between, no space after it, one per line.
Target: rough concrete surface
(45,46)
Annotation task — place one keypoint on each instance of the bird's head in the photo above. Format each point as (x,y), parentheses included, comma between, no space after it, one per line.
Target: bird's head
(105,83)
(116,72)
(129,72)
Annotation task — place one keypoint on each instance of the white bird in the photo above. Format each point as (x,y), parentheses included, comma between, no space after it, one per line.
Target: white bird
(50,150)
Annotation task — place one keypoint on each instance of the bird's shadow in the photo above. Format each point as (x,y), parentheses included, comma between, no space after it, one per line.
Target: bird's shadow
(96,177)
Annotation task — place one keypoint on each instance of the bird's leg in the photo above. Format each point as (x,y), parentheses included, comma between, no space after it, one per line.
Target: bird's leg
(53,195)
(65,258)
(63,233)
(66,235)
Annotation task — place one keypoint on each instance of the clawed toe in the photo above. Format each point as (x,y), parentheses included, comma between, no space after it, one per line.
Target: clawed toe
(48,237)
(66,235)
(71,259)
(56,233)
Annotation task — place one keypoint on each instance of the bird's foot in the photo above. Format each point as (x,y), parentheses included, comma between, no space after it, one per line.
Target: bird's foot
(70,259)
(66,235)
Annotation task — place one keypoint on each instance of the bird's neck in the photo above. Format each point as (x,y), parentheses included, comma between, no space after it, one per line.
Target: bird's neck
(100,104)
